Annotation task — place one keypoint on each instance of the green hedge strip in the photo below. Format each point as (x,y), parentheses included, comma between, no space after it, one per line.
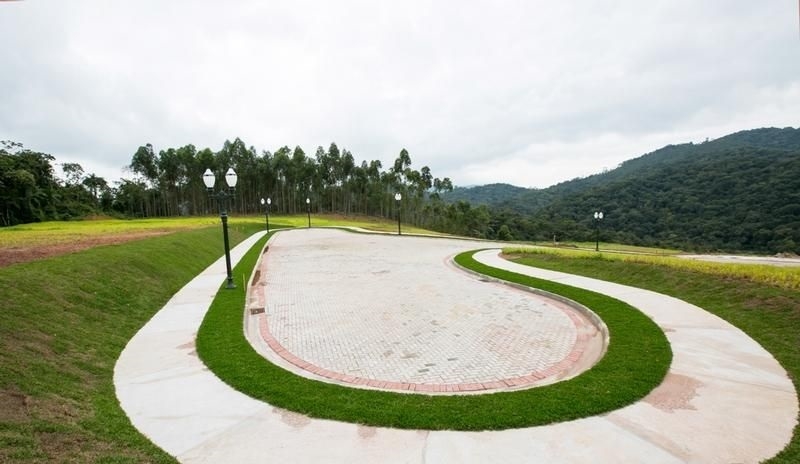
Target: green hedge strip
(636,361)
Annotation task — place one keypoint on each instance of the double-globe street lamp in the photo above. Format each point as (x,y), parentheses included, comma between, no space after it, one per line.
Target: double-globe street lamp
(397,198)
(266,205)
(598,216)
(222,198)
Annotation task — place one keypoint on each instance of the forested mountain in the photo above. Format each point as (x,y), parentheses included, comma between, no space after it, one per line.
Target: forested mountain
(737,193)
(490,194)
(740,192)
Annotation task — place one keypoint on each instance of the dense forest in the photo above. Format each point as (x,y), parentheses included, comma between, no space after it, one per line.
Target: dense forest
(30,191)
(740,192)
(169,183)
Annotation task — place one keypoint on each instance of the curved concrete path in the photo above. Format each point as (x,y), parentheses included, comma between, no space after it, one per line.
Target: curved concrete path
(725,398)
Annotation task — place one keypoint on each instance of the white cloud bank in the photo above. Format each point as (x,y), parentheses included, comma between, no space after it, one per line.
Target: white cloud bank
(526,92)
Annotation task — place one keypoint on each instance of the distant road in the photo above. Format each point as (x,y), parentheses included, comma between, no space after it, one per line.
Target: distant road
(769,260)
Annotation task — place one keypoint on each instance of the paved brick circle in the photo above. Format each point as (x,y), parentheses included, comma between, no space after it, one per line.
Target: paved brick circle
(393,313)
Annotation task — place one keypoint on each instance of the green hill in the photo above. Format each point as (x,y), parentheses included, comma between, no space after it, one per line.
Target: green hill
(490,194)
(740,192)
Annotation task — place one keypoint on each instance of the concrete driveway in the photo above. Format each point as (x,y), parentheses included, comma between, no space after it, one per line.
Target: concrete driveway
(724,400)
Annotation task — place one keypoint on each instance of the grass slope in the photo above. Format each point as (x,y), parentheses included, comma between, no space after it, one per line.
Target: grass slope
(64,322)
(56,232)
(365,222)
(637,360)
(770,314)
(780,276)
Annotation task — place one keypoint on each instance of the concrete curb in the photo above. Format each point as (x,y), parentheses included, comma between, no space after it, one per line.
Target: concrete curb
(584,310)
(724,400)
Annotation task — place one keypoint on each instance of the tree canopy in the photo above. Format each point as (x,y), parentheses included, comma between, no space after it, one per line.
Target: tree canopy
(737,193)
(30,192)
(169,182)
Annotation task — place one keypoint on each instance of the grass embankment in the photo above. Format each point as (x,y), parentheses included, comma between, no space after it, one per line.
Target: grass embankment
(64,322)
(58,232)
(55,232)
(365,222)
(767,312)
(785,277)
(610,247)
(637,360)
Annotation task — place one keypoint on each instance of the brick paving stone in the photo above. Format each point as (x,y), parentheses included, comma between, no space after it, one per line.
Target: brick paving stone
(386,311)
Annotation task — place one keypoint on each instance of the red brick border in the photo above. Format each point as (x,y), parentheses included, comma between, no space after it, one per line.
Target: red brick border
(516,382)
(256,298)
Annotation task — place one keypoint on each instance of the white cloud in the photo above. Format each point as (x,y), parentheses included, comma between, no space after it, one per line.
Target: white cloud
(531,93)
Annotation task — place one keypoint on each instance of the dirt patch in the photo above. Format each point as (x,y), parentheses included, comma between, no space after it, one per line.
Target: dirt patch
(60,446)
(59,410)
(293,419)
(366,432)
(675,392)
(13,406)
(81,446)
(16,406)
(16,255)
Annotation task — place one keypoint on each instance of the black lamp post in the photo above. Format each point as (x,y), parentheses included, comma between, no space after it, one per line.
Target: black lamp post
(397,198)
(598,216)
(308,209)
(266,206)
(222,197)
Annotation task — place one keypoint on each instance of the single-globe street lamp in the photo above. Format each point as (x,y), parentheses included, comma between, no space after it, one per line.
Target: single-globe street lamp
(308,209)
(398,197)
(266,205)
(598,216)
(222,197)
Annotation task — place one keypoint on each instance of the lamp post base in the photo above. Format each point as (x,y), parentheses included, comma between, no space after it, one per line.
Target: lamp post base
(224,217)
(597,238)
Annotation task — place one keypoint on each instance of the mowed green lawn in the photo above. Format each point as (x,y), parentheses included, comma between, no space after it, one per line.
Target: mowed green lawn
(747,296)
(780,276)
(634,364)
(48,233)
(64,321)
(610,247)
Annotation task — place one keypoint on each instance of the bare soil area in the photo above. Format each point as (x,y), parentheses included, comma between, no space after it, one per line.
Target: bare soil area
(24,254)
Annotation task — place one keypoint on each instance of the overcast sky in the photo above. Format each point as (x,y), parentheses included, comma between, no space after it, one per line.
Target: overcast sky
(526,92)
